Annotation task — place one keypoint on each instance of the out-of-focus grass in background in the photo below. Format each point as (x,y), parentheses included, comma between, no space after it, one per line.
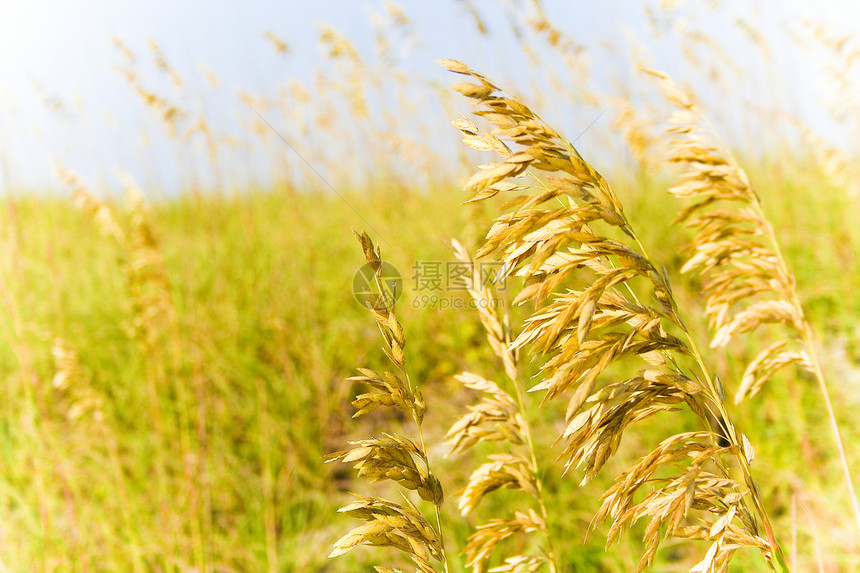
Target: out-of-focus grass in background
(167,400)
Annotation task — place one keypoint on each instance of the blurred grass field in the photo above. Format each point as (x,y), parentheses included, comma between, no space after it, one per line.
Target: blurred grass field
(268,328)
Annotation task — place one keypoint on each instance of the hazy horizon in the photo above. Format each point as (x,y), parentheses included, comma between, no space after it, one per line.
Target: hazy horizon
(63,100)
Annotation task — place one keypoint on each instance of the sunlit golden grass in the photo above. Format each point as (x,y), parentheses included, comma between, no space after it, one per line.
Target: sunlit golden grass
(178,368)
(273,330)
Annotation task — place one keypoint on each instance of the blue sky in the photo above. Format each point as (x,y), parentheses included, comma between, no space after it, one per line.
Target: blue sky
(63,50)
